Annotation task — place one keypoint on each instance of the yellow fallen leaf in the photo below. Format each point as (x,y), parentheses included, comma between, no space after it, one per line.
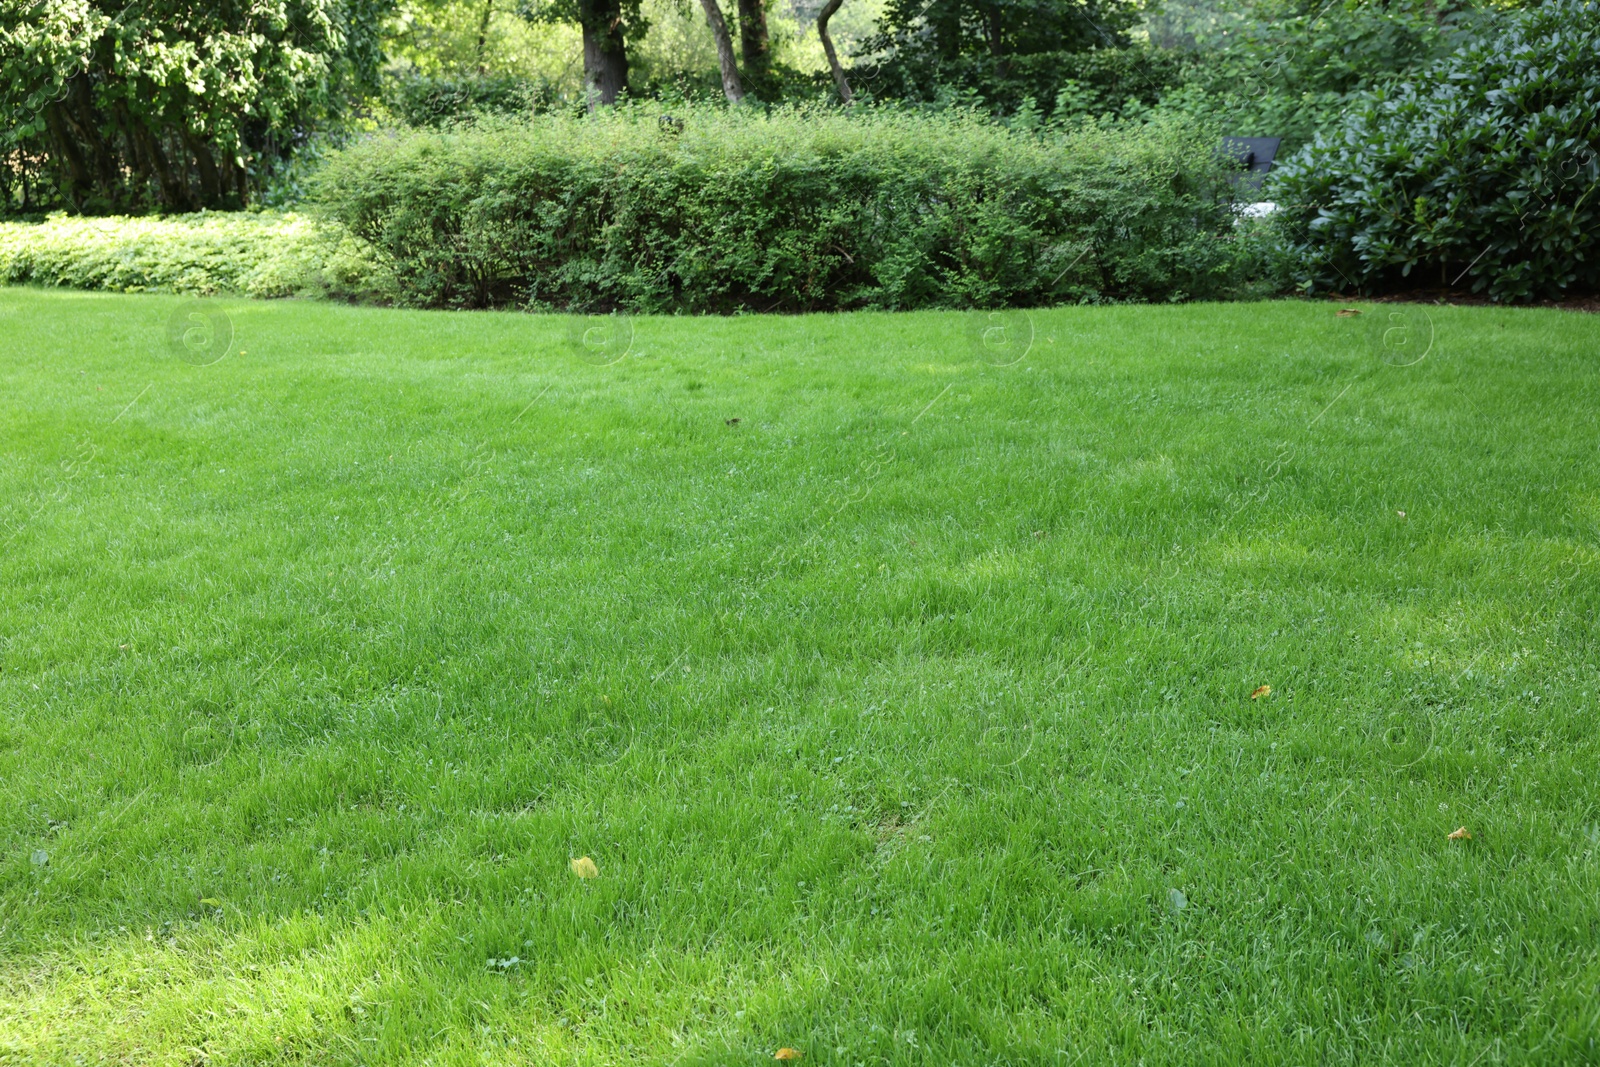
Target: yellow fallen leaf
(584,867)
(1461,834)
(1345,313)
(1261,691)
(786,1054)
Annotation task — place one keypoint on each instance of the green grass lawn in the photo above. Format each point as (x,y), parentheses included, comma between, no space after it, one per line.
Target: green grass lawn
(898,684)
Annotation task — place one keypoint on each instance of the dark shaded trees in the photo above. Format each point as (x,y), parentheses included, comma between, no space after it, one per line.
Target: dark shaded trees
(1001,50)
(169,104)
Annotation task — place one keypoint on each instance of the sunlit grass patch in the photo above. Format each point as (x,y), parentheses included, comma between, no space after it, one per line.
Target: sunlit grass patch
(1114,704)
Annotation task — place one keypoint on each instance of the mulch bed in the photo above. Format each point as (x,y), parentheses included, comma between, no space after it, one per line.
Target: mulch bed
(1589,302)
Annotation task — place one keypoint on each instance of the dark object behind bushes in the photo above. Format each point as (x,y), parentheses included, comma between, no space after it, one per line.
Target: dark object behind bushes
(799,210)
(1484,172)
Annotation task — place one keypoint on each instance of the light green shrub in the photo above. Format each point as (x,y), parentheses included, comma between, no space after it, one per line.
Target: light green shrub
(262,254)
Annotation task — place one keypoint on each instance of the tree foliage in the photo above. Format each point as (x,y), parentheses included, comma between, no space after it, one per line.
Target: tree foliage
(948,29)
(170,104)
(1285,68)
(996,51)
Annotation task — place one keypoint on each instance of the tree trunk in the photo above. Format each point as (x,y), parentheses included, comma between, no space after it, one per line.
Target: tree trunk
(210,181)
(101,152)
(945,23)
(605,52)
(483,34)
(754,45)
(732,88)
(234,190)
(139,161)
(994,31)
(827,12)
(173,194)
(79,181)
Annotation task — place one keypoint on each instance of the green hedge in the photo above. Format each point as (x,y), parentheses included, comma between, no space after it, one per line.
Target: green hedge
(258,254)
(1484,171)
(793,210)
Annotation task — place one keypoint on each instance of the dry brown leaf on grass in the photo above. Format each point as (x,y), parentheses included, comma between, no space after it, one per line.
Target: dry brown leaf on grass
(1345,313)
(1261,691)
(1460,834)
(786,1054)
(584,867)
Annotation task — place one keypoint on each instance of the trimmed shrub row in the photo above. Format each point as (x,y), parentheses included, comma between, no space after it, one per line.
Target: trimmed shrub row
(795,210)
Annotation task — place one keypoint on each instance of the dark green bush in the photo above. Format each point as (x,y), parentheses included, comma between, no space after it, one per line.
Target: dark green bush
(1484,171)
(1060,84)
(1287,68)
(420,100)
(796,210)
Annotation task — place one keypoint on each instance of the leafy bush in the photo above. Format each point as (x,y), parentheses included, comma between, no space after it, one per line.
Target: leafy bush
(1285,68)
(419,100)
(258,254)
(794,210)
(1484,169)
(1094,82)
(999,50)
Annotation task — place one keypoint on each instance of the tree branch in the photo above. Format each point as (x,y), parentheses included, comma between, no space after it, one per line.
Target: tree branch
(827,12)
(731,86)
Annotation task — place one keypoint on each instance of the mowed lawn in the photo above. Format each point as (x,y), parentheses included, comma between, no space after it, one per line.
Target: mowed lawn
(896,677)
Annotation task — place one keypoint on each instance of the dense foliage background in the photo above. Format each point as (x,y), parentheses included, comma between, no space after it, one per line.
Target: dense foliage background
(1428,137)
